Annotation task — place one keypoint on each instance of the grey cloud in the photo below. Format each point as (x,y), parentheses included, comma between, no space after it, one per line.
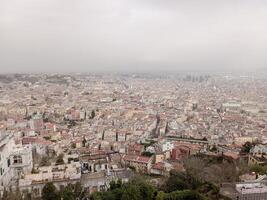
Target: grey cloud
(69,35)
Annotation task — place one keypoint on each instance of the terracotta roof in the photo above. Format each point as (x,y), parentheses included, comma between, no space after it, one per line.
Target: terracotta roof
(158,166)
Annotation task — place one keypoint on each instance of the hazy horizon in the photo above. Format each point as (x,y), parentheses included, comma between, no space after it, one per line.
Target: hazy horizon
(46,36)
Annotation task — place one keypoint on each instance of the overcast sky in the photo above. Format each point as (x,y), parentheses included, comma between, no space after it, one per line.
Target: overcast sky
(89,35)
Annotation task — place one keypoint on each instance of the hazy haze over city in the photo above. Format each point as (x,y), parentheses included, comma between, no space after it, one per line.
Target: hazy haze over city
(133,99)
(73,36)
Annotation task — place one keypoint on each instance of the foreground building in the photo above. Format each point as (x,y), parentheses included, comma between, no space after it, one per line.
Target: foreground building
(60,175)
(15,160)
(141,164)
(251,191)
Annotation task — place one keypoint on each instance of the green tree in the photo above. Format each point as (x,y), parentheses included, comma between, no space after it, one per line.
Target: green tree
(210,190)
(131,192)
(117,193)
(115,184)
(49,192)
(78,190)
(246,147)
(96,196)
(137,187)
(147,191)
(160,195)
(258,169)
(184,195)
(180,181)
(68,193)
(175,183)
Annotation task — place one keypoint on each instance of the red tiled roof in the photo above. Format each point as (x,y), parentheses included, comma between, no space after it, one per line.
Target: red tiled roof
(140,159)
(159,166)
(29,140)
(143,159)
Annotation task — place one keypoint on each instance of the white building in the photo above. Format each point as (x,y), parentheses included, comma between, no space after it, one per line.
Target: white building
(60,175)
(15,160)
(21,160)
(166,146)
(6,146)
(251,191)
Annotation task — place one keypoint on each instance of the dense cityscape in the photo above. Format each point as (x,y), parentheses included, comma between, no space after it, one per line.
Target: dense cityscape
(133,100)
(133,136)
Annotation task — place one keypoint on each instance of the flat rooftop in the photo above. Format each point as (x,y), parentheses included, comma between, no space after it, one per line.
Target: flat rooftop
(251,188)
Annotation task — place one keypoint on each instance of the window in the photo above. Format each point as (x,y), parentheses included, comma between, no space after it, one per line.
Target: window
(17,160)
(36,192)
(102,188)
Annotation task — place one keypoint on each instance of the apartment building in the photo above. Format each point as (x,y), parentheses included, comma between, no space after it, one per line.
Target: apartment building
(15,160)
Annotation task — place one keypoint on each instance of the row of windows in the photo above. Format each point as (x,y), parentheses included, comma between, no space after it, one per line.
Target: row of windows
(16,160)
